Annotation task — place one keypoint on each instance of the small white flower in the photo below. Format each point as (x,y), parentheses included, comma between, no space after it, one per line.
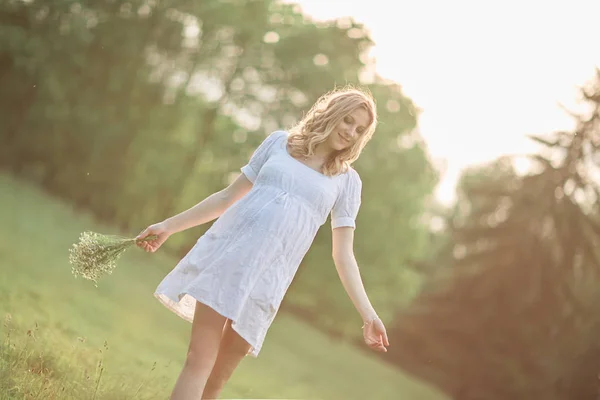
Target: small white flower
(96,254)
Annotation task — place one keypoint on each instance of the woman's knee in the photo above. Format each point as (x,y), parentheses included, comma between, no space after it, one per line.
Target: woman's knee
(205,339)
(199,360)
(232,351)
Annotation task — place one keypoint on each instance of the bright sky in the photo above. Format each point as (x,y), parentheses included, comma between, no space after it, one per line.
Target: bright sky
(484,73)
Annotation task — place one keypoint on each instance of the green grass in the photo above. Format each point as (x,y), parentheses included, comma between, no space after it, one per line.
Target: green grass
(63,338)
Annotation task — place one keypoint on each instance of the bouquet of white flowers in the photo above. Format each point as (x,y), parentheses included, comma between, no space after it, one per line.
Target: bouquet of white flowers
(96,254)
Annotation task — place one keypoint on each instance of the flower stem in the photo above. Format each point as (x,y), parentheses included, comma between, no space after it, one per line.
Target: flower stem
(146,239)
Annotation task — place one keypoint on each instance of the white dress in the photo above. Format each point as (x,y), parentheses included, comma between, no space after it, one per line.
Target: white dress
(243,265)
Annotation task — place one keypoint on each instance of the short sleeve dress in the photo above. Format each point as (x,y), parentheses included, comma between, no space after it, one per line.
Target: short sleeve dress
(243,265)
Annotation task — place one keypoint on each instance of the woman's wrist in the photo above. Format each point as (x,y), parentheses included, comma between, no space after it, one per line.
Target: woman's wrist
(167,225)
(368,313)
(369,320)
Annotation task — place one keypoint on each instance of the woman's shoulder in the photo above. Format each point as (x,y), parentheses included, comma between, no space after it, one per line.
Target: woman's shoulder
(352,174)
(271,140)
(279,140)
(351,178)
(275,139)
(278,135)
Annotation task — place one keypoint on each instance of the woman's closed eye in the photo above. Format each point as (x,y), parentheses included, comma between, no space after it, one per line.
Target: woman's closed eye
(349,120)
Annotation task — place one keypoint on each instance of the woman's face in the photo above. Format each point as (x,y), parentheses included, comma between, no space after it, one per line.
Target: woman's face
(349,129)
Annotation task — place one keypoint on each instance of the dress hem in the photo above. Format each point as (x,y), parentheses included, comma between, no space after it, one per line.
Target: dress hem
(172,304)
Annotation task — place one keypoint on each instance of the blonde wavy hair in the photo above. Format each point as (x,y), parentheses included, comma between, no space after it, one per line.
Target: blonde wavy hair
(321,120)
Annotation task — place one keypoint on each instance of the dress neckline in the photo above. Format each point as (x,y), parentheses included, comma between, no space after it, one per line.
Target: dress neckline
(285,148)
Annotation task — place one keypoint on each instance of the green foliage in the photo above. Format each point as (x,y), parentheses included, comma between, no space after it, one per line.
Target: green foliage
(136,110)
(68,339)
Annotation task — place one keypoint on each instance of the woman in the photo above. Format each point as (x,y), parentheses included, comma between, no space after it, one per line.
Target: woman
(231,283)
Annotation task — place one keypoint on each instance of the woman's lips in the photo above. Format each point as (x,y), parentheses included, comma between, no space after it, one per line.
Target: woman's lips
(344,139)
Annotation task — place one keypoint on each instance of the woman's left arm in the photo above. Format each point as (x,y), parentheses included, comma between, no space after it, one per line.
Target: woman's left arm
(374,331)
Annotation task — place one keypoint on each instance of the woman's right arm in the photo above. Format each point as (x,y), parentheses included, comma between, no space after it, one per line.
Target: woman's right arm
(210,208)
(207,210)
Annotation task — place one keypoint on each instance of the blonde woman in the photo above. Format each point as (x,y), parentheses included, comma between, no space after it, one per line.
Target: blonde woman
(231,283)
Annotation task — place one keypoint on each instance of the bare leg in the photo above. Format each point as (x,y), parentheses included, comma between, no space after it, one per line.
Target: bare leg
(207,330)
(232,351)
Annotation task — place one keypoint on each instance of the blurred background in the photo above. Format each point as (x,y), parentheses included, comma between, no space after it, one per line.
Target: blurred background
(478,233)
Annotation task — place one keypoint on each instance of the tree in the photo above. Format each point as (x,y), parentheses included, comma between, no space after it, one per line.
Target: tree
(135,110)
(515,312)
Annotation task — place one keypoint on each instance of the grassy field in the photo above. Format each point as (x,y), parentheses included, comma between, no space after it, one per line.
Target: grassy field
(63,338)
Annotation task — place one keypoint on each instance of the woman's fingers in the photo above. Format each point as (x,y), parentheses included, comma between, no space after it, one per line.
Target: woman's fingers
(147,245)
(139,239)
(375,343)
(378,343)
(382,333)
(144,241)
(382,344)
(378,346)
(142,234)
(153,245)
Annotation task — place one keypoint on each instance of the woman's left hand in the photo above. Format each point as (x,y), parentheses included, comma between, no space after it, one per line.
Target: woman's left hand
(375,335)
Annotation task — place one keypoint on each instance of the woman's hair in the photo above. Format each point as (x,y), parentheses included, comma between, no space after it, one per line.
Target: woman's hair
(321,120)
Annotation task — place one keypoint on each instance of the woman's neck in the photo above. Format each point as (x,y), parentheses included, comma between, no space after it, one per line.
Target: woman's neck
(323,151)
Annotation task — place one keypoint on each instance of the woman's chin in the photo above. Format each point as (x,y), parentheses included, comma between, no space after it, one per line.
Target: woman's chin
(341,145)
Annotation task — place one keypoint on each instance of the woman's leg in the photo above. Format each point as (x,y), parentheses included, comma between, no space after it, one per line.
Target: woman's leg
(232,351)
(207,330)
